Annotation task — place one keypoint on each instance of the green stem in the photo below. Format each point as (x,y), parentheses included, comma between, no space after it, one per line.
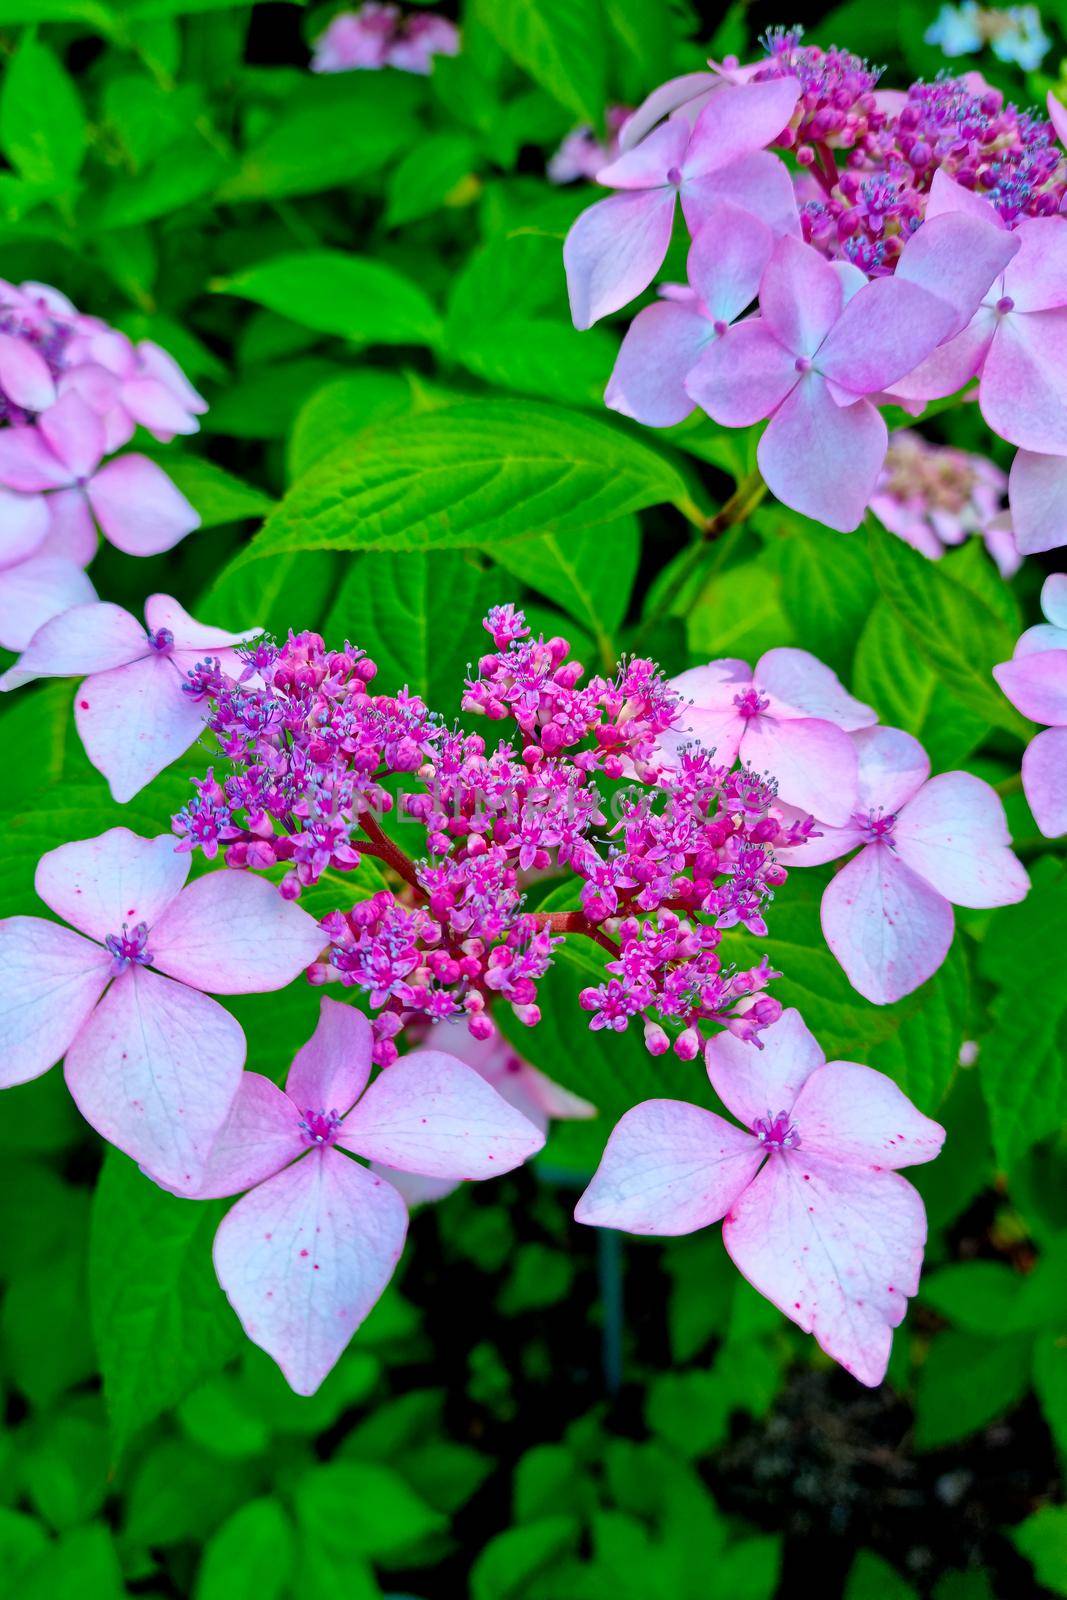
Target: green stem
(1012,785)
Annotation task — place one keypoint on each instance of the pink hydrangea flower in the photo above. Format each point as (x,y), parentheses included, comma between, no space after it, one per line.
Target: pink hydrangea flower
(665,341)
(1016,341)
(825,340)
(146,698)
(151,1061)
(135,504)
(815,1216)
(306,1253)
(615,248)
(933,496)
(1035,681)
(924,846)
(377,36)
(787,717)
(42,562)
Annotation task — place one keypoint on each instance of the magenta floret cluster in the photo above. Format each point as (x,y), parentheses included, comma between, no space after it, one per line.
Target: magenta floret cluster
(660,858)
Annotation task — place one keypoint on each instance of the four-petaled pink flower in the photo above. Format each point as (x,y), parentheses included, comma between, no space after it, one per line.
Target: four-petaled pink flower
(786,718)
(154,1064)
(615,248)
(138,710)
(826,339)
(925,846)
(664,341)
(815,1216)
(306,1253)
(136,505)
(1035,681)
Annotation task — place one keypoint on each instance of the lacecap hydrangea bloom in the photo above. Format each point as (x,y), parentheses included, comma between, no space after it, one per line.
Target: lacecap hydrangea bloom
(72,392)
(935,497)
(914,240)
(1035,681)
(814,1212)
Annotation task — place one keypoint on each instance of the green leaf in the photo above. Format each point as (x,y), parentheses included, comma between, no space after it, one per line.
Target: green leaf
(966,1382)
(83,1565)
(508,323)
(1024,1076)
(738,612)
(185,173)
(827,589)
(892,676)
(250,1557)
(363,1508)
(216,494)
(1050,1382)
(160,1319)
(468,475)
(957,633)
(988,1299)
(293,592)
(561,46)
(428,176)
(343,408)
(354,296)
(42,125)
(513,1559)
(1042,1539)
(573,573)
(22,1542)
(395,607)
(871,1578)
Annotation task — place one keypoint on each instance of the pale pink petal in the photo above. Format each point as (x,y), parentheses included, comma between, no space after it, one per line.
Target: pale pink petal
(153,405)
(85,638)
(887,927)
(743,376)
(413,1188)
(1054,599)
(163,611)
(1057,115)
(305,1256)
(661,347)
(952,364)
(155,1070)
(259,1137)
(74,433)
(1045,781)
(812,761)
(825,844)
(50,980)
(955,835)
(1037,489)
(1036,278)
(232,933)
(612,252)
(851,1113)
(158,363)
(1023,393)
(758,183)
(800,296)
(430,1113)
(709,713)
(838,1250)
(727,258)
(661,102)
(330,1072)
(893,766)
(822,459)
(554,1100)
(756,1083)
(28,465)
(136,720)
(71,530)
(138,508)
(30,595)
(99,884)
(24,374)
(947,197)
(957,257)
(669,1168)
(737,120)
(24,522)
(884,333)
(1036,685)
(645,165)
(798,681)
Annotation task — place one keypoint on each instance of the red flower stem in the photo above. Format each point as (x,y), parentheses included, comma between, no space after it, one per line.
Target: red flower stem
(385,850)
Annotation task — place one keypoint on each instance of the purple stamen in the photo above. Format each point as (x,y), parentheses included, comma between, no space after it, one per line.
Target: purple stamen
(320,1127)
(161,641)
(776,1132)
(751,703)
(129,949)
